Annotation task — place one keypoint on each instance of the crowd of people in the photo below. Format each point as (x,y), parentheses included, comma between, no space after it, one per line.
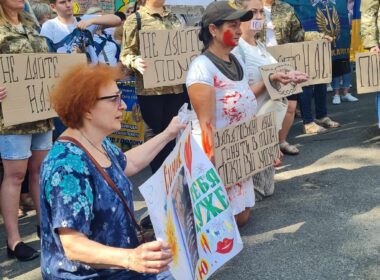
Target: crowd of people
(79,183)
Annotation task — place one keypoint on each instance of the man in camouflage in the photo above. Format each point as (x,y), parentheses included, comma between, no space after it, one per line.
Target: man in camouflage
(370,27)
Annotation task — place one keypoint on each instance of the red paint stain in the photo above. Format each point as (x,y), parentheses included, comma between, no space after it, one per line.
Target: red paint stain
(228,38)
(206,143)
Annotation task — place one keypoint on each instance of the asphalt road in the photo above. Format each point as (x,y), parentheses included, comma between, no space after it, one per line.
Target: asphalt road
(323,222)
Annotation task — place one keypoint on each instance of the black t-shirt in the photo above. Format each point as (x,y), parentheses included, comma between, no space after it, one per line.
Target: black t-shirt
(232,70)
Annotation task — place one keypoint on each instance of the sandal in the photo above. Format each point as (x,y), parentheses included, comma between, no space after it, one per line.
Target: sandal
(327,122)
(288,149)
(312,128)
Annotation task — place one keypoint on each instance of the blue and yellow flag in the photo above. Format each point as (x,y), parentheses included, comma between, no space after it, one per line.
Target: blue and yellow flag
(329,17)
(356,42)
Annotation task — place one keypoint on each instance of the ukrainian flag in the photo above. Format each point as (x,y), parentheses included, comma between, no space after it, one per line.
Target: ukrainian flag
(356,42)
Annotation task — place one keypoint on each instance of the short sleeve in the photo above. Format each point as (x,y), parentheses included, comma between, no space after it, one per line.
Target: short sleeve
(68,191)
(201,71)
(47,30)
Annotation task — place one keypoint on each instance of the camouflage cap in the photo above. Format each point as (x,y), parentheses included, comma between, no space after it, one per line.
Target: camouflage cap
(224,10)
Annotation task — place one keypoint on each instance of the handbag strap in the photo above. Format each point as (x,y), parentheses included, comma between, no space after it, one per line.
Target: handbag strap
(108,180)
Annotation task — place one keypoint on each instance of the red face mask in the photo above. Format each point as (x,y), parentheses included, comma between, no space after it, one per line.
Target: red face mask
(228,38)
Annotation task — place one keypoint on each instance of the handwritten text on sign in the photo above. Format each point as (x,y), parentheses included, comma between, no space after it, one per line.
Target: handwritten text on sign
(367,72)
(311,57)
(29,79)
(244,149)
(168,54)
(278,90)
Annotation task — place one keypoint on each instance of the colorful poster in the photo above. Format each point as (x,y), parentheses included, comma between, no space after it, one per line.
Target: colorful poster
(131,133)
(189,208)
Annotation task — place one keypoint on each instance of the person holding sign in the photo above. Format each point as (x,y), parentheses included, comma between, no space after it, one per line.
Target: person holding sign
(219,90)
(254,55)
(89,230)
(22,146)
(370,33)
(158,105)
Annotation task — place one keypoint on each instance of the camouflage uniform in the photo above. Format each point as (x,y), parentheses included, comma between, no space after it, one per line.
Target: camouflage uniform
(131,48)
(287,26)
(370,22)
(12,40)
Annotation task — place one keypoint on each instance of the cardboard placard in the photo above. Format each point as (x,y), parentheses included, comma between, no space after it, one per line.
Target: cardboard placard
(189,208)
(367,72)
(29,79)
(278,90)
(244,149)
(311,57)
(168,54)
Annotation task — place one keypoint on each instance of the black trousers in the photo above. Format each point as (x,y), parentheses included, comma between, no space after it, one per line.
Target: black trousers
(157,112)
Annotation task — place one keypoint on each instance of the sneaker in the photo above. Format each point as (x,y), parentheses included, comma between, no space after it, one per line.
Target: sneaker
(336,100)
(327,122)
(329,88)
(349,98)
(313,128)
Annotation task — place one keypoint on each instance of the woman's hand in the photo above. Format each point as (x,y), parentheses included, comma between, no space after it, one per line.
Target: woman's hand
(140,65)
(173,128)
(279,77)
(3,93)
(151,257)
(328,38)
(375,49)
(298,76)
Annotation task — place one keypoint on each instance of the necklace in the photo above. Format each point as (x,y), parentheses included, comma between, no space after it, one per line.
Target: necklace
(92,144)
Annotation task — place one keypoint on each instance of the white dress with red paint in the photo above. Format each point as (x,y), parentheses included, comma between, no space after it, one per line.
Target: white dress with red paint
(235,102)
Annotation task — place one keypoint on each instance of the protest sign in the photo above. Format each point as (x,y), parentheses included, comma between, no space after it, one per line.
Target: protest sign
(367,72)
(278,90)
(29,78)
(311,57)
(168,54)
(131,133)
(189,208)
(244,149)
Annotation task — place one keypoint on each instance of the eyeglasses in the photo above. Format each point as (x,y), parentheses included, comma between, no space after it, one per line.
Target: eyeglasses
(116,98)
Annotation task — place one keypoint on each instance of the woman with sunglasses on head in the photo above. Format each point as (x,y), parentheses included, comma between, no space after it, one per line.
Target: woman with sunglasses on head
(88,230)
(255,55)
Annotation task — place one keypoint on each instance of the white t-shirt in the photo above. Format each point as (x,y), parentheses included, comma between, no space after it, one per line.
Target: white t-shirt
(270,34)
(110,50)
(56,31)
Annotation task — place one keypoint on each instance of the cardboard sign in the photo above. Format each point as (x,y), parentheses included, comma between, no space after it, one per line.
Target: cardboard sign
(367,72)
(278,90)
(168,54)
(189,208)
(244,149)
(311,57)
(29,79)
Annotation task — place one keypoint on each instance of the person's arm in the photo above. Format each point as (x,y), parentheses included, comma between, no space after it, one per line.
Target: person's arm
(105,21)
(139,157)
(130,52)
(368,23)
(202,98)
(297,33)
(151,257)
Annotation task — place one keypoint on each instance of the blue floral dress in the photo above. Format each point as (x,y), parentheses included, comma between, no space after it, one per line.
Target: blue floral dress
(75,195)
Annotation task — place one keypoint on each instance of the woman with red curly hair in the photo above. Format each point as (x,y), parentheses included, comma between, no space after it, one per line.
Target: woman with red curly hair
(88,229)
